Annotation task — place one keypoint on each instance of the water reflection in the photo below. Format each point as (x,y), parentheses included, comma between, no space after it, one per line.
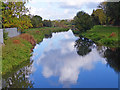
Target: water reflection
(84,46)
(59,57)
(20,79)
(112,57)
(48,35)
(68,61)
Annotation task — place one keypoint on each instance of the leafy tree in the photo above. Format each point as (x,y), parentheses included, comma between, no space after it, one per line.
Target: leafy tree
(112,10)
(25,22)
(13,14)
(83,21)
(99,17)
(47,23)
(36,21)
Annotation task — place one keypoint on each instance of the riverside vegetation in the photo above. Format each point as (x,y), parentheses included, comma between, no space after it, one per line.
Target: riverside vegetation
(104,35)
(16,52)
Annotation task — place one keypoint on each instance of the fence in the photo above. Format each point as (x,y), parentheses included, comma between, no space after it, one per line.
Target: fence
(12,32)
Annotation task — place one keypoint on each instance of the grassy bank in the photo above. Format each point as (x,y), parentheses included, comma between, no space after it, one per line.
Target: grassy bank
(17,51)
(104,35)
(40,33)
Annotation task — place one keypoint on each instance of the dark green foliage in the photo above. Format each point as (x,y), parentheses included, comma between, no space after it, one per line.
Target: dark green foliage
(47,23)
(112,58)
(83,46)
(36,21)
(5,35)
(95,19)
(83,21)
(113,11)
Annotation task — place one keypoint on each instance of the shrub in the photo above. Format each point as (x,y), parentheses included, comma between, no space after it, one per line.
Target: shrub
(5,35)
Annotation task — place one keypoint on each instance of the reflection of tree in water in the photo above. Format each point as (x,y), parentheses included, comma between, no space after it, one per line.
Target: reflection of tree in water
(83,46)
(20,79)
(112,58)
(48,35)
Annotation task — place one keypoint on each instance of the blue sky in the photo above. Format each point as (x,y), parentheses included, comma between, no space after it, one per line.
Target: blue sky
(61,9)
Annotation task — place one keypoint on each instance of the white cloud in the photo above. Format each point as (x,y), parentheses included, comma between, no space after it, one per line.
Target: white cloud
(49,14)
(61,9)
(63,61)
(69,1)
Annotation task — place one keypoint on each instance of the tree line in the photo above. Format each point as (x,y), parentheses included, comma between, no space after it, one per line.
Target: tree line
(14,14)
(108,13)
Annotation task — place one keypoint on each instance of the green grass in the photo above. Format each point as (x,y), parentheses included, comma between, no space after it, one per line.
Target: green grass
(17,55)
(101,35)
(39,33)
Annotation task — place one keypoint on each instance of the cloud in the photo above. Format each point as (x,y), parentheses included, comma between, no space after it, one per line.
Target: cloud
(61,9)
(79,5)
(63,61)
(52,13)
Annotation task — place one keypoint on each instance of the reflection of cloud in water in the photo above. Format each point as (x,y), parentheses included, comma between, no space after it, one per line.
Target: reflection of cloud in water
(67,66)
(65,62)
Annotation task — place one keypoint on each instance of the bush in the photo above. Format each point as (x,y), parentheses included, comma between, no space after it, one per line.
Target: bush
(5,35)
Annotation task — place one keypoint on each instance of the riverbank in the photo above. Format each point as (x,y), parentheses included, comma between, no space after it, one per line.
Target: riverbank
(16,52)
(40,33)
(104,35)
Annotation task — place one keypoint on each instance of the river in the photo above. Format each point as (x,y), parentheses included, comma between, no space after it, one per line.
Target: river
(68,61)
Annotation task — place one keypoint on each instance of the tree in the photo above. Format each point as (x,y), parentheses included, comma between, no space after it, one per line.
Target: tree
(24,22)
(47,23)
(36,21)
(99,16)
(12,15)
(112,10)
(61,23)
(83,21)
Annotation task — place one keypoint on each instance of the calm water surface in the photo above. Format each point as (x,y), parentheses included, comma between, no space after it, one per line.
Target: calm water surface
(67,61)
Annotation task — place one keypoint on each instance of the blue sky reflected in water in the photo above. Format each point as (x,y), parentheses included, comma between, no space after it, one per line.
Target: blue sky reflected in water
(57,64)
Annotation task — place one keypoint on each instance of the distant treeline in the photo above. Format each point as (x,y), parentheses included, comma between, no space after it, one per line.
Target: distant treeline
(37,22)
(108,13)
(14,14)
